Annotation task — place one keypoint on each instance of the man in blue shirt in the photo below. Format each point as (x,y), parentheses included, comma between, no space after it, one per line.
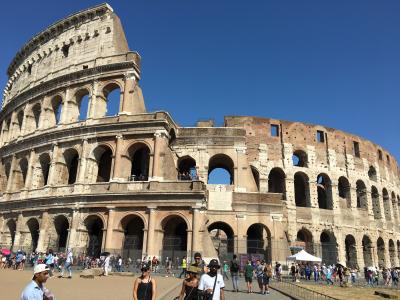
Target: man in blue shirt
(35,289)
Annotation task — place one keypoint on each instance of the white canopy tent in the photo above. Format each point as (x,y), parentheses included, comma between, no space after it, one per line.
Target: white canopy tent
(304,256)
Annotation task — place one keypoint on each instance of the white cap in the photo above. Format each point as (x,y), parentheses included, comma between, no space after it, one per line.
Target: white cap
(39,268)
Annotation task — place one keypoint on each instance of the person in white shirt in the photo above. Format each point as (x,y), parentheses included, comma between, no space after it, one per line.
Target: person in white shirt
(106,265)
(212,283)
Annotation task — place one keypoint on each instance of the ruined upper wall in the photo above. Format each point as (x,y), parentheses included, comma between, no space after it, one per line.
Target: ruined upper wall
(82,37)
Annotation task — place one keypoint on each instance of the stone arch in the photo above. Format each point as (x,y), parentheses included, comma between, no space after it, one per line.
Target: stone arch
(328,247)
(21,174)
(94,225)
(367,251)
(276,181)
(139,154)
(187,168)
(372,173)
(71,158)
(221,161)
(351,251)
(392,253)
(44,162)
(174,240)
(133,227)
(103,156)
(361,191)
(344,190)
(302,190)
(380,248)
(80,107)
(20,120)
(259,241)
(112,93)
(375,203)
(299,158)
(31,240)
(305,236)
(61,225)
(9,236)
(386,204)
(36,111)
(324,190)
(223,239)
(56,106)
(256,176)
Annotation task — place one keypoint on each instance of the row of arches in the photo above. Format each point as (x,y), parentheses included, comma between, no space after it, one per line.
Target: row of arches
(58,109)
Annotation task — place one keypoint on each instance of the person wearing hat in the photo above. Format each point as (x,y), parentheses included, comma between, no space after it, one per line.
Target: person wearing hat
(144,287)
(190,284)
(212,284)
(35,290)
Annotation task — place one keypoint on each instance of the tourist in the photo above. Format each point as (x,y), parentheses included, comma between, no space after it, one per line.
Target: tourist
(189,286)
(35,290)
(328,275)
(119,263)
(49,261)
(67,264)
(199,263)
(267,277)
(248,276)
(307,272)
(278,271)
(259,271)
(184,266)
(234,268)
(144,287)
(225,269)
(316,273)
(106,265)
(212,284)
(293,272)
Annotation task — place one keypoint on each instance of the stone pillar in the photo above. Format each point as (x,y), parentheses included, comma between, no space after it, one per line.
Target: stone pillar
(151,251)
(72,231)
(241,235)
(117,172)
(25,121)
(83,162)
(110,226)
(44,118)
(387,255)
(313,193)
(41,247)
(158,136)
(92,100)
(335,195)
(29,173)
(52,179)
(11,174)
(196,230)
(19,228)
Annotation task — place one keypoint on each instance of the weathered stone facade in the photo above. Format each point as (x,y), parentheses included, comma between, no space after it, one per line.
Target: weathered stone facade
(98,182)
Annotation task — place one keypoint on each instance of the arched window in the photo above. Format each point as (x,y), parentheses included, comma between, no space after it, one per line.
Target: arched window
(375,202)
(329,247)
(372,173)
(220,170)
(33,238)
(103,156)
(94,226)
(44,160)
(36,110)
(299,158)
(324,189)
(259,241)
(301,190)
(56,104)
(361,191)
(140,157)
(344,190)
(61,225)
(305,236)
(386,205)
(71,157)
(351,253)
(174,239)
(392,253)
(82,102)
(367,251)
(133,228)
(20,118)
(223,239)
(380,244)
(187,168)
(112,95)
(276,181)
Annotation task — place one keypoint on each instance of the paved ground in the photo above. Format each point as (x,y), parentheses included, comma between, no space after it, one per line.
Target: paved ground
(110,288)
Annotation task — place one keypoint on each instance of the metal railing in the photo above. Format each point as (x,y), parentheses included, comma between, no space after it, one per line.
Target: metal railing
(299,292)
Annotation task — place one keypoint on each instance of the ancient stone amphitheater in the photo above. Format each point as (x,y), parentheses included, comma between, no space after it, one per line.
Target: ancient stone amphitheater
(76,172)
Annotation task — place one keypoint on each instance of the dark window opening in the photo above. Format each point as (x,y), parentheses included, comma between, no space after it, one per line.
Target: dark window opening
(388,159)
(320,136)
(380,154)
(299,158)
(356,146)
(29,69)
(274,130)
(65,50)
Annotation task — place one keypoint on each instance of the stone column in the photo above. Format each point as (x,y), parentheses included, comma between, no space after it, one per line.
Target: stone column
(29,173)
(92,100)
(83,161)
(151,232)
(52,179)
(25,120)
(335,195)
(313,194)
(387,255)
(117,172)
(196,230)
(158,136)
(19,227)
(110,226)
(41,247)
(72,236)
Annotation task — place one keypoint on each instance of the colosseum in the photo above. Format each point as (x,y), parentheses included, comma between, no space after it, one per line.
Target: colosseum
(77,172)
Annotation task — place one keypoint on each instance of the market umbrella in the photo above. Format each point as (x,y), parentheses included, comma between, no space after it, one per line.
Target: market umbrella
(5,251)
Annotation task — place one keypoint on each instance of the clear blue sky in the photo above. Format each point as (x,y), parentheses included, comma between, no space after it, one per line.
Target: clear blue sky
(334,63)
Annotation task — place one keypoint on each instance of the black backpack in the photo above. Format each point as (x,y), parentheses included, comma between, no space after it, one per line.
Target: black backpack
(234,267)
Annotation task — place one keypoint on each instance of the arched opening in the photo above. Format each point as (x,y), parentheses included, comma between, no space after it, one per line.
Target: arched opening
(301,190)
(351,251)
(256,177)
(259,241)
(375,203)
(392,253)
(103,156)
(361,191)
(10,235)
(36,110)
(112,95)
(133,228)
(344,191)
(61,225)
(380,245)
(175,237)
(44,160)
(220,170)
(305,237)
(398,250)
(71,157)
(21,178)
(82,102)
(367,251)
(94,226)
(33,227)
(20,119)
(172,137)
(56,105)
(223,239)
(372,173)
(328,248)
(324,190)
(187,168)
(394,207)
(140,160)
(386,205)
(299,158)
(276,181)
